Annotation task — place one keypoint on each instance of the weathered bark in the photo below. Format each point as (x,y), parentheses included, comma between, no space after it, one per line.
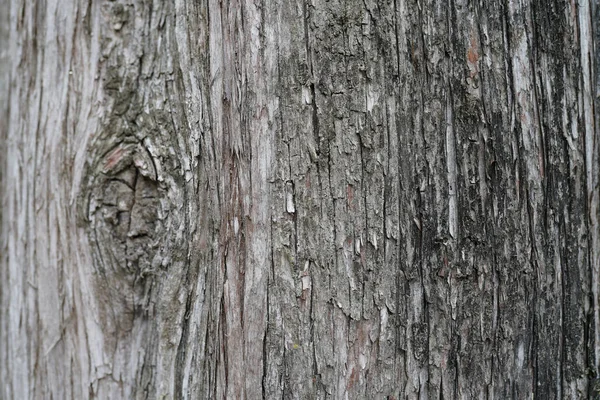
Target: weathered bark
(299,199)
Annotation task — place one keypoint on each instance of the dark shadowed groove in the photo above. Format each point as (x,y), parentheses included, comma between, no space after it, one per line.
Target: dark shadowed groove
(180,357)
(266,333)
(562,336)
(398,275)
(595,86)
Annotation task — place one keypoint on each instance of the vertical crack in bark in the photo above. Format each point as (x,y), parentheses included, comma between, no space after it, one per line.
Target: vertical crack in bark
(595,200)
(316,373)
(563,307)
(399,372)
(534,328)
(315,115)
(586,28)
(265,353)
(425,317)
(451,166)
(183,345)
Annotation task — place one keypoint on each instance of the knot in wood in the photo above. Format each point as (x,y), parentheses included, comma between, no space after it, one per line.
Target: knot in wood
(124,215)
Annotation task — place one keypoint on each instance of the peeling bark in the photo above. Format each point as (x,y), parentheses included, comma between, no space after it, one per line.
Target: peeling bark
(299,199)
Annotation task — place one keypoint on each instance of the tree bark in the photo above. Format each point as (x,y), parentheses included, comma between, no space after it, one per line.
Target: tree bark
(299,199)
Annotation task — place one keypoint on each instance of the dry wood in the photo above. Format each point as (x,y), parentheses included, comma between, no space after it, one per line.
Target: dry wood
(299,199)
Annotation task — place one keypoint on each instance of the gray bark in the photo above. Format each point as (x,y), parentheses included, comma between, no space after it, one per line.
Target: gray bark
(299,199)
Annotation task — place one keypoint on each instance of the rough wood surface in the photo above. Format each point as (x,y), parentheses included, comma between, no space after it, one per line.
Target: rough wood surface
(299,199)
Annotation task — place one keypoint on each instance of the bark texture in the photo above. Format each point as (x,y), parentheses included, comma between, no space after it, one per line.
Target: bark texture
(299,199)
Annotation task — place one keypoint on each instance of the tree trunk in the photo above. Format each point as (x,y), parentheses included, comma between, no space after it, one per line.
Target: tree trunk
(299,199)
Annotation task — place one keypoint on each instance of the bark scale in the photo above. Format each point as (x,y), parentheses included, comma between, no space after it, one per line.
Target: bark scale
(299,199)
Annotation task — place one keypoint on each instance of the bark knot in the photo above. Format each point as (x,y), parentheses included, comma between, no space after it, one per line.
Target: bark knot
(124,216)
(124,207)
